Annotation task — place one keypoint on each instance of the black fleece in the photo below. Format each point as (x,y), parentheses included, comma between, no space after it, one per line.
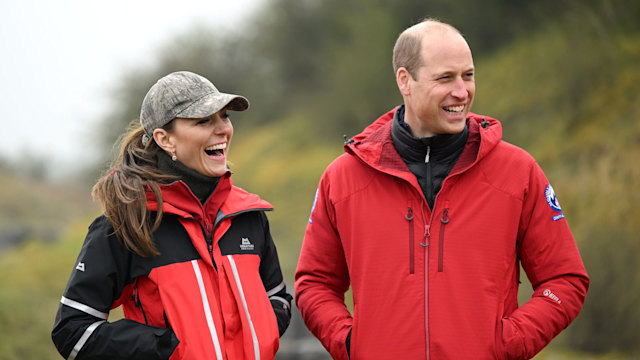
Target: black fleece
(201,185)
(430,159)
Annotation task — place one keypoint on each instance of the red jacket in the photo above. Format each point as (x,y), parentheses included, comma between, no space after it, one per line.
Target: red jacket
(441,283)
(216,286)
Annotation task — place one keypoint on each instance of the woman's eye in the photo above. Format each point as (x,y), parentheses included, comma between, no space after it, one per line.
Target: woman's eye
(203,121)
(225,116)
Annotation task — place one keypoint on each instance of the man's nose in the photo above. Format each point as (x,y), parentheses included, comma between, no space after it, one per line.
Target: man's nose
(459,89)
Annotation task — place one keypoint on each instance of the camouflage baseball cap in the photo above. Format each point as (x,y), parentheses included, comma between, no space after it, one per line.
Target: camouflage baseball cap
(184,94)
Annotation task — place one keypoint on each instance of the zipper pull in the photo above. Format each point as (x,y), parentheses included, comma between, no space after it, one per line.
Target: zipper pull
(426,158)
(209,239)
(347,140)
(134,296)
(427,235)
(445,217)
(409,215)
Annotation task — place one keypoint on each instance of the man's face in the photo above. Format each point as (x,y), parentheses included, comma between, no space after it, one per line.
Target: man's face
(438,99)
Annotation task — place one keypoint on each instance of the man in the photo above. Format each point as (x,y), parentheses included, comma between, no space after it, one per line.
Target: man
(428,216)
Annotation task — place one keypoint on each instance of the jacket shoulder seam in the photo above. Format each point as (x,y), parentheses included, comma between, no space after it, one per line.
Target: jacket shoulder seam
(486,177)
(361,187)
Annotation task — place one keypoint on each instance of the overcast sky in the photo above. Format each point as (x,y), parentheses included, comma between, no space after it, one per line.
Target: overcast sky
(60,58)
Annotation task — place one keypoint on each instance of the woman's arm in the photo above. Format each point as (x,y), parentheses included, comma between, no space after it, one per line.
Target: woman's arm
(98,280)
(273,281)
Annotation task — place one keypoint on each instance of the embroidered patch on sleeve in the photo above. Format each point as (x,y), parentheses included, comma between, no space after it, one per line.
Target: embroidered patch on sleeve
(552,200)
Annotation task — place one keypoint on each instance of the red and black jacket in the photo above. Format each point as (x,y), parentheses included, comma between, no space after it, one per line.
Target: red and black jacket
(216,290)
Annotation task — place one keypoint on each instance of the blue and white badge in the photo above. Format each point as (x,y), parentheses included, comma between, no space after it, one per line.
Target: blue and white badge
(552,200)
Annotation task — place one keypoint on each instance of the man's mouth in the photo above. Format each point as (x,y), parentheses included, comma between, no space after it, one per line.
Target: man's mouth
(216,150)
(454,109)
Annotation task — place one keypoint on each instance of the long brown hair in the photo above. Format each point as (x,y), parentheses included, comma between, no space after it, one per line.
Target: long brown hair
(122,191)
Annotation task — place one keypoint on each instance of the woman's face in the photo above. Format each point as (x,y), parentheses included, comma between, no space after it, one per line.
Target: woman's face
(200,144)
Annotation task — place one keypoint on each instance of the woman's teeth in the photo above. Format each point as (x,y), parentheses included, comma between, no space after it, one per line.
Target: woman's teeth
(216,150)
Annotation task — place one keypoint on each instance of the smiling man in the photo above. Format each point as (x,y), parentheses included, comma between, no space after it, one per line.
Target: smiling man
(437,93)
(428,217)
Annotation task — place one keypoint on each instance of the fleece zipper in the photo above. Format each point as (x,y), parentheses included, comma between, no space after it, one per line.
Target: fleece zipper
(428,177)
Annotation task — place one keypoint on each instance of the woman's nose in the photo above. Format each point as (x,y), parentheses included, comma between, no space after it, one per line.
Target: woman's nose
(221,126)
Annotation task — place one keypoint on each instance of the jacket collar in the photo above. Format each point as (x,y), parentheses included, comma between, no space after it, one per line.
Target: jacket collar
(415,150)
(201,185)
(226,200)
(375,147)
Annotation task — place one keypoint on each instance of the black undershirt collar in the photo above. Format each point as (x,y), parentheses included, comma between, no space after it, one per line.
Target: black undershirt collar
(430,159)
(201,185)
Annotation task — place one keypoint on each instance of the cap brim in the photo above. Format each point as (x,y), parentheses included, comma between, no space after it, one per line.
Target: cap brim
(213,103)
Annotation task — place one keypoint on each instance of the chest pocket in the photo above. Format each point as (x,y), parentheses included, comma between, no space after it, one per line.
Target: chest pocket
(245,236)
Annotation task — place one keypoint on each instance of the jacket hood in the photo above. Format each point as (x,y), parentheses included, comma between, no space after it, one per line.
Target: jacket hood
(375,147)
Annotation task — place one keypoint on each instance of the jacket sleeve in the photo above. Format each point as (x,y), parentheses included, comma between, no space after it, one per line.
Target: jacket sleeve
(322,277)
(81,330)
(274,284)
(551,260)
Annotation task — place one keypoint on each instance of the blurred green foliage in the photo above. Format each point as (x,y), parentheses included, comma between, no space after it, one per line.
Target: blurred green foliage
(562,76)
(32,278)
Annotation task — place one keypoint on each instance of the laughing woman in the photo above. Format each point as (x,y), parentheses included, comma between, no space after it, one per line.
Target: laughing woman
(188,255)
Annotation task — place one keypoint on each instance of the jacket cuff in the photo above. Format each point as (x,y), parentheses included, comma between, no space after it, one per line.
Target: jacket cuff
(167,343)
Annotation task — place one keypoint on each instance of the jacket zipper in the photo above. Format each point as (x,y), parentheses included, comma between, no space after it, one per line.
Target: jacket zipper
(428,177)
(409,218)
(444,220)
(208,237)
(425,244)
(136,300)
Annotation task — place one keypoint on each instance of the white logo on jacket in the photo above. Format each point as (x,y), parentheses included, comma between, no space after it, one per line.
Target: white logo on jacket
(551,296)
(246,245)
(80,266)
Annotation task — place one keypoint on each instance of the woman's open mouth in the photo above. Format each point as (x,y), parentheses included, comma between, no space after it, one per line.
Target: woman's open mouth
(216,150)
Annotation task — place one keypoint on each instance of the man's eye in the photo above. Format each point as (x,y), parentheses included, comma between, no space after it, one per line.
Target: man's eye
(225,116)
(203,121)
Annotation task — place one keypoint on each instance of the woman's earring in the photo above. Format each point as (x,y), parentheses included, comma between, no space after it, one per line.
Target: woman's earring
(173,156)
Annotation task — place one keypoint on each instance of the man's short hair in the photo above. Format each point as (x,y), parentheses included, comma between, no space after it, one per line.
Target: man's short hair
(406,52)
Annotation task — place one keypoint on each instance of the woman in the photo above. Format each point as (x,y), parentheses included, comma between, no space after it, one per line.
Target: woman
(188,255)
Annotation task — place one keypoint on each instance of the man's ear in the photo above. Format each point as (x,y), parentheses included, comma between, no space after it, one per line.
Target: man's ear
(164,140)
(402,79)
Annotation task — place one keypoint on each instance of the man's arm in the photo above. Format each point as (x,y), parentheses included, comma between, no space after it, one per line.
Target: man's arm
(322,278)
(550,258)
